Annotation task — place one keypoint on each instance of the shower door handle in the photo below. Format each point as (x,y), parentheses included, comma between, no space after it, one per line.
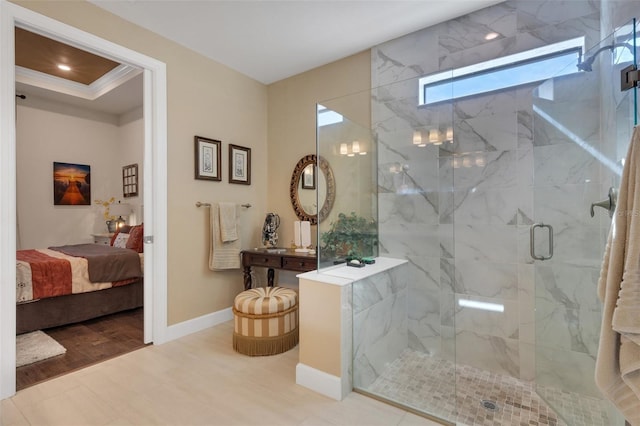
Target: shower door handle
(532,240)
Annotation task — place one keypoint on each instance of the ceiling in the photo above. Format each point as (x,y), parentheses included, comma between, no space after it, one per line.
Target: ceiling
(267,40)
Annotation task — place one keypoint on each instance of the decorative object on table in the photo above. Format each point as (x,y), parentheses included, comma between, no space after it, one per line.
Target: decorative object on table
(71,184)
(110,219)
(350,236)
(239,164)
(270,230)
(208,154)
(302,235)
(130,181)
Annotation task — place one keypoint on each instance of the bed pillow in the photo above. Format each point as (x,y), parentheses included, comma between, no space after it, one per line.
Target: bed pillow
(121,240)
(135,238)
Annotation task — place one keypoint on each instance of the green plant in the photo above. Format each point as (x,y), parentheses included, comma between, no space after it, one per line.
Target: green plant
(350,236)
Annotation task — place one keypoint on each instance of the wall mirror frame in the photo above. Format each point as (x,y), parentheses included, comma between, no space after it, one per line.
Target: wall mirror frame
(327,204)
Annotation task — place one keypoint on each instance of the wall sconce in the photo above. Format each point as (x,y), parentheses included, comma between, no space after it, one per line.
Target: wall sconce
(417,139)
(355,148)
(434,137)
(343,149)
(480,161)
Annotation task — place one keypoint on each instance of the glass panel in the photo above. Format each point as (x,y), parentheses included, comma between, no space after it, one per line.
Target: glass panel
(574,163)
(350,228)
(454,188)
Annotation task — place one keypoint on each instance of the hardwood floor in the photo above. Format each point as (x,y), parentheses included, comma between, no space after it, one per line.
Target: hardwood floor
(87,343)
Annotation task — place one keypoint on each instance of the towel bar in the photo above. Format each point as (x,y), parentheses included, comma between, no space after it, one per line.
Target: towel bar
(199,204)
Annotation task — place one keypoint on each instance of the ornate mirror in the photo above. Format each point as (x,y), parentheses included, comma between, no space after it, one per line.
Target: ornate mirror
(305,183)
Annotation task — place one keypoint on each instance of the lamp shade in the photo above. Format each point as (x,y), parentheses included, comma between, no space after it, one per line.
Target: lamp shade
(120,209)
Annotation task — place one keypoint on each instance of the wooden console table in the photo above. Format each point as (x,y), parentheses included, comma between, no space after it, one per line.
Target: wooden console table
(286,259)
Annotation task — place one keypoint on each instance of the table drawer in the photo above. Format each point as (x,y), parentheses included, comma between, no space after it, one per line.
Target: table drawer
(261,260)
(298,264)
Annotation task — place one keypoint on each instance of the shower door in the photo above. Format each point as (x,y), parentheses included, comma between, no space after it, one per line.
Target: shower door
(580,130)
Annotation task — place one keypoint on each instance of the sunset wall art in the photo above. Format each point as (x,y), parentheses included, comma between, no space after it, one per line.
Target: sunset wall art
(71,184)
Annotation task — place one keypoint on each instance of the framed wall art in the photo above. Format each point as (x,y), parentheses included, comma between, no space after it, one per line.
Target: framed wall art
(71,184)
(208,154)
(130,180)
(239,164)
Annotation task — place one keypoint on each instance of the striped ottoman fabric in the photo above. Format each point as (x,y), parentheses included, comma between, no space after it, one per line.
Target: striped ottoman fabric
(266,321)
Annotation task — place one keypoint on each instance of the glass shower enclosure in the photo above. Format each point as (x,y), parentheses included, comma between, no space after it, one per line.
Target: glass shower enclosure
(488,199)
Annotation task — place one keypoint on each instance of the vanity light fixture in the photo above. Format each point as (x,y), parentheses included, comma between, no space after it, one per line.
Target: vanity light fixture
(449,135)
(480,161)
(64,67)
(417,139)
(343,149)
(434,137)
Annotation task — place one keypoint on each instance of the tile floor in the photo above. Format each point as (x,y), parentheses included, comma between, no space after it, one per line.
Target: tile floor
(432,385)
(194,380)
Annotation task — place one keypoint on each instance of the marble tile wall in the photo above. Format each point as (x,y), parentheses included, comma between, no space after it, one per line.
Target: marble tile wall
(379,323)
(460,212)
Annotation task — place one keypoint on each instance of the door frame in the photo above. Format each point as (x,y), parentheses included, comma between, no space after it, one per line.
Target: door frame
(155,176)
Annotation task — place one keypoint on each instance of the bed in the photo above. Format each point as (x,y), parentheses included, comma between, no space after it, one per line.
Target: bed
(67,284)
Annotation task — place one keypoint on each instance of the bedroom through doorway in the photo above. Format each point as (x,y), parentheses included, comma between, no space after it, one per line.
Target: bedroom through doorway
(153,175)
(79,115)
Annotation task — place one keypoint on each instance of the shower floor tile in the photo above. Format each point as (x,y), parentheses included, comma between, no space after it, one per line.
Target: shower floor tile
(434,386)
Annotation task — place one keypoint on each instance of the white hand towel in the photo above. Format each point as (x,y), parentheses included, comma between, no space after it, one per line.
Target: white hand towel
(221,255)
(228,222)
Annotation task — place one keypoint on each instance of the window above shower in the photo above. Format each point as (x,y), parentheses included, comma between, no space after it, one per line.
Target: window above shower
(509,71)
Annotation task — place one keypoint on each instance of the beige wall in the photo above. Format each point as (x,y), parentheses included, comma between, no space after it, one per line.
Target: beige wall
(207,99)
(292,125)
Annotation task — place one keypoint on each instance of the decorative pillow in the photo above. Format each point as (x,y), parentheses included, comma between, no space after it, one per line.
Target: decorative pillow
(122,230)
(121,240)
(135,238)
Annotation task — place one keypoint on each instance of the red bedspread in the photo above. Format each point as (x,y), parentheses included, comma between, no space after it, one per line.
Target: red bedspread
(49,276)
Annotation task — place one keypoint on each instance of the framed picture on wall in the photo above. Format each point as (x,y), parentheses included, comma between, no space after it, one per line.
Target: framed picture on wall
(71,184)
(208,155)
(239,164)
(130,180)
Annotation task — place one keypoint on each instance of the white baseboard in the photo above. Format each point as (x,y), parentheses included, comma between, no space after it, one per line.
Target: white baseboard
(319,381)
(185,328)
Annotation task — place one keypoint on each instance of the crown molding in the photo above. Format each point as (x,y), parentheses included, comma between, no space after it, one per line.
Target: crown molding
(104,84)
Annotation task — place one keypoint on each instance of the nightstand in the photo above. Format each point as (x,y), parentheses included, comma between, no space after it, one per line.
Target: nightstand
(102,238)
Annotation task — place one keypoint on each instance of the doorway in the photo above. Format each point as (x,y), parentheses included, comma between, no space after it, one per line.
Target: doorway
(155,182)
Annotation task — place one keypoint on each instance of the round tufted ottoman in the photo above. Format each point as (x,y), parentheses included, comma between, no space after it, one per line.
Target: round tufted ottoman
(266,321)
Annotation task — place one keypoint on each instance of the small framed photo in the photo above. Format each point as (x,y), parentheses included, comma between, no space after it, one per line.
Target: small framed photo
(309,177)
(239,164)
(208,155)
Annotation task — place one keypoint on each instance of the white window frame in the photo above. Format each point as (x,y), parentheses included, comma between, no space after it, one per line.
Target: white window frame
(515,61)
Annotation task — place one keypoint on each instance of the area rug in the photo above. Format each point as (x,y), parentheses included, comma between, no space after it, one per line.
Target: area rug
(36,346)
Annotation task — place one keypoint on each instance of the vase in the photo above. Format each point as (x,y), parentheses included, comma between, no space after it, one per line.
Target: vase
(111,226)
